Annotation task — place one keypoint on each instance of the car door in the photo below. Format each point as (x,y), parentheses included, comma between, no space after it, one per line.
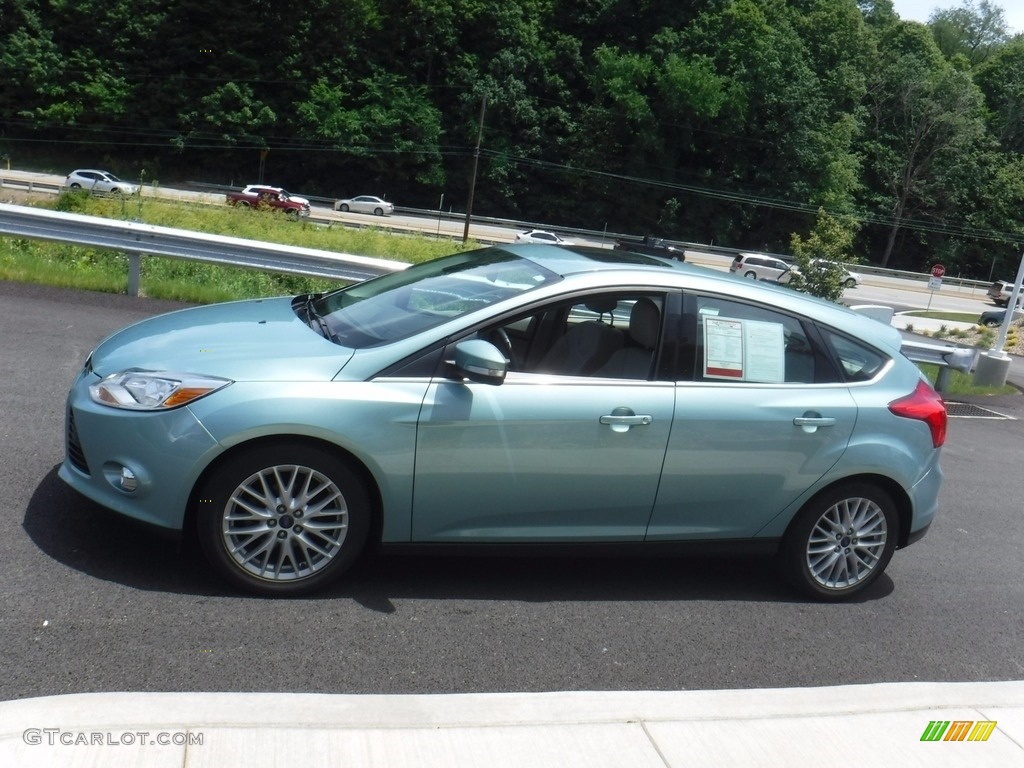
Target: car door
(93,181)
(761,415)
(545,456)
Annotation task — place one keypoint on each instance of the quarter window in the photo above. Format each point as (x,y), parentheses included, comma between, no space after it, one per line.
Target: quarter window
(858,362)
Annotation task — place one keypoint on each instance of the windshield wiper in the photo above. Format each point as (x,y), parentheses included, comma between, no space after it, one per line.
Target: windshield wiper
(313,318)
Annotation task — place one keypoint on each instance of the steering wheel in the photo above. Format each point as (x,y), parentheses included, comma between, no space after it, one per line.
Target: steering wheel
(504,344)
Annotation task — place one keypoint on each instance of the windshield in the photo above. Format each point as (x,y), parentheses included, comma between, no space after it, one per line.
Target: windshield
(396,306)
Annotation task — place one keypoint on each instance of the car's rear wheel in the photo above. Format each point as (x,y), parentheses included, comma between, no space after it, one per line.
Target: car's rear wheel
(841,541)
(343,208)
(283,519)
(850,283)
(750,274)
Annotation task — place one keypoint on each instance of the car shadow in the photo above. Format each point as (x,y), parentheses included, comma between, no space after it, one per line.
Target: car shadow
(103,545)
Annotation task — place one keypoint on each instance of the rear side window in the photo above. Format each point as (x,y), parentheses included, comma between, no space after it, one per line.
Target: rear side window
(751,343)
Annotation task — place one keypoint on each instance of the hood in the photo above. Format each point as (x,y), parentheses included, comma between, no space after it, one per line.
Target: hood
(255,340)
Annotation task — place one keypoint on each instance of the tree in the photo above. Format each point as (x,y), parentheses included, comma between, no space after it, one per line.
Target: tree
(975,30)
(925,118)
(821,259)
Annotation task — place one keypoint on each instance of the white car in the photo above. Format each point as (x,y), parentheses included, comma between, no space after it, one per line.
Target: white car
(366,204)
(540,236)
(849,279)
(99,181)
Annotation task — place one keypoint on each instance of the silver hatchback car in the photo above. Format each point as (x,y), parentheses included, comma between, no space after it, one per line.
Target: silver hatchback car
(99,182)
(518,394)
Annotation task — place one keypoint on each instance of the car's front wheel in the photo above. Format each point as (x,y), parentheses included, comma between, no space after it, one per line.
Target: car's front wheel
(841,541)
(282,519)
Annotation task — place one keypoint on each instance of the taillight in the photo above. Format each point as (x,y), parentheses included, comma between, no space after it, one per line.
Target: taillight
(927,405)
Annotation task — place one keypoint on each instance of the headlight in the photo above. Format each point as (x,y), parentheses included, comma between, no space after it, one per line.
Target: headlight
(153,390)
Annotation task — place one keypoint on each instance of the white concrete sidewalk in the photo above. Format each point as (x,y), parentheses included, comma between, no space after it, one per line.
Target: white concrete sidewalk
(865,725)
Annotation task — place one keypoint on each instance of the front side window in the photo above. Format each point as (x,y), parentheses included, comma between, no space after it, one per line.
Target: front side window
(606,335)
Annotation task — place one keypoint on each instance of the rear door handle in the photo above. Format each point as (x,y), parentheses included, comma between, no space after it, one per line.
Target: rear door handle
(814,421)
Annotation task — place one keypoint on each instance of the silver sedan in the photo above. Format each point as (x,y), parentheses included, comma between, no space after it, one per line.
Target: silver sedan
(365,204)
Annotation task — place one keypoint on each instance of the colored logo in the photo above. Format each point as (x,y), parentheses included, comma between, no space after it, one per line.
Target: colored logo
(958,730)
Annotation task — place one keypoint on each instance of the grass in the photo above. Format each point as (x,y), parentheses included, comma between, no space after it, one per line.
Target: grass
(959,317)
(72,266)
(961,384)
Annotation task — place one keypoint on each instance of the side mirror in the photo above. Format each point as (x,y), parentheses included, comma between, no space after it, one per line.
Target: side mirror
(480,361)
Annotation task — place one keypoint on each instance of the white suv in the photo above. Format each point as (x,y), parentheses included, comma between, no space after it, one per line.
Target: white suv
(757,266)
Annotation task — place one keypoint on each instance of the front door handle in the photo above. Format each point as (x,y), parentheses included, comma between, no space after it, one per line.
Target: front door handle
(630,421)
(622,418)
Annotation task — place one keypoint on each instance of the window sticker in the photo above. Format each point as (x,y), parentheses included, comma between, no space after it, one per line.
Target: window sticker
(744,350)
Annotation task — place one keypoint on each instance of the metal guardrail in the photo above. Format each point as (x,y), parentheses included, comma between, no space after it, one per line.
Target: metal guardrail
(137,239)
(948,359)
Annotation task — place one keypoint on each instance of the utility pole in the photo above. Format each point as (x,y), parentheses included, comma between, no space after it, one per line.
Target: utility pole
(472,179)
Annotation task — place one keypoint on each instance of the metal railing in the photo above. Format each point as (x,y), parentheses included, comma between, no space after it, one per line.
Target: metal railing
(137,239)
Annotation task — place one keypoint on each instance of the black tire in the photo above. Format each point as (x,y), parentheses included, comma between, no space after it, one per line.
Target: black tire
(264,546)
(841,541)
(76,186)
(850,283)
(343,208)
(378,211)
(992,323)
(750,275)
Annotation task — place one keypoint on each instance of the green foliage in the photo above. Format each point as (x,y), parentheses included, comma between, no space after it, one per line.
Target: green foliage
(973,31)
(732,122)
(821,258)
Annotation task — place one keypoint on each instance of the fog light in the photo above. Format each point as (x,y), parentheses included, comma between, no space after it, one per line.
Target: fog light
(128,481)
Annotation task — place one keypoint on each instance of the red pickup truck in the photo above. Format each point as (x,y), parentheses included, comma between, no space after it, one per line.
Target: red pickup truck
(258,196)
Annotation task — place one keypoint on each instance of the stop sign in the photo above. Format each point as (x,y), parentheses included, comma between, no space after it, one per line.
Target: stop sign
(938,270)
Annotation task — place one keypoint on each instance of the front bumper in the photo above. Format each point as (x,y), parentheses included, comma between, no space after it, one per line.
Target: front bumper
(139,464)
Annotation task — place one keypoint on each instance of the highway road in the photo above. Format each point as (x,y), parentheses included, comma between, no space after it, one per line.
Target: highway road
(92,603)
